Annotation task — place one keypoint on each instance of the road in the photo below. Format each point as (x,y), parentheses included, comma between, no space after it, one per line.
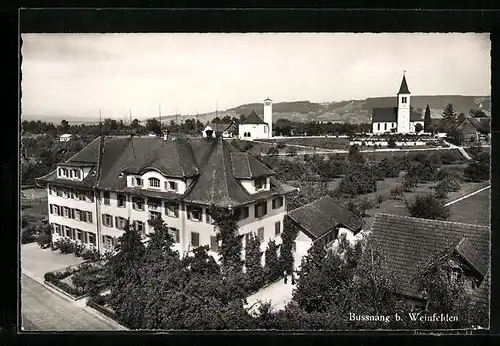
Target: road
(44,310)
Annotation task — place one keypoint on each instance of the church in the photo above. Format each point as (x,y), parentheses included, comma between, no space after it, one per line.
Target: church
(400,119)
(253,127)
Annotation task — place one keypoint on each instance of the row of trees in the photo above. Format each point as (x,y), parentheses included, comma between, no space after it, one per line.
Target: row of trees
(284,127)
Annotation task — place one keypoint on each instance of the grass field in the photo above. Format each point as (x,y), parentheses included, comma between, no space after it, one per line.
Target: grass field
(318,143)
(473,210)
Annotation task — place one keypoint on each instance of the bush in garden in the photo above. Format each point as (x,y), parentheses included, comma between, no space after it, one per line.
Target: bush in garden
(390,168)
(65,245)
(281,145)
(364,205)
(391,143)
(397,192)
(248,145)
(450,173)
(428,207)
(28,234)
(409,182)
(449,184)
(90,255)
(378,173)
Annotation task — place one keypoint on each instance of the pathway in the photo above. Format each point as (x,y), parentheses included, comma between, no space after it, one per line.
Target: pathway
(461,149)
(278,294)
(44,310)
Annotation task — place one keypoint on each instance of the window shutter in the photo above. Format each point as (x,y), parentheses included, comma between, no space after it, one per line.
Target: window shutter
(116,222)
(274,203)
(261,233)
(104,219)
(51,208)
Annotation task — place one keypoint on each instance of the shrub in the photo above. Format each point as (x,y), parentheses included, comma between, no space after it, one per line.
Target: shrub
(428,207)
(28,234)
(409,182)
(478,170)
(390,168)
(65,245)
(364,205)
(90,255)
(378,173)
(281,145)
(452,173)
(448,184)
(248,145)
(397,192)
(391,143)
(272,151)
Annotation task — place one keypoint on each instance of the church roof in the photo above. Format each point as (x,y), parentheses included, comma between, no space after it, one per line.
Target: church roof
(253,118)
(404,87)
(390,115)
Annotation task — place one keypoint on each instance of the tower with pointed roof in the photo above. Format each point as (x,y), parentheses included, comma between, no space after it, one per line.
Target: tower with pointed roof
(403,120)
(268,115)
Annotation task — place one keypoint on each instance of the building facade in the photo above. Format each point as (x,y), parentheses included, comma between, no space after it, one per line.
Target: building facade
(254,127)
(115,179)
(400,119)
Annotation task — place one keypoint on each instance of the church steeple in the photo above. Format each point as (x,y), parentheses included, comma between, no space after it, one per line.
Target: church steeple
(404,87)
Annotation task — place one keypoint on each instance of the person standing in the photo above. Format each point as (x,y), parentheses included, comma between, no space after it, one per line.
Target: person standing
(285,276)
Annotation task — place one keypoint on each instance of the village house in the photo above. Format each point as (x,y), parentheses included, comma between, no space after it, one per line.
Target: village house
(254,127)
(475,129)
(323,221)
(113,179)
(224,130)
(65,137)
(411,245)
(400,119)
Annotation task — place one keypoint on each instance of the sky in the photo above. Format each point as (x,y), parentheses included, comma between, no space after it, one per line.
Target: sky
(76,75)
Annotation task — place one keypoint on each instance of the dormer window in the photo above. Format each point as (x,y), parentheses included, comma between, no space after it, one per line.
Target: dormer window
(154,182)
(260,183)
(171,186)
(136,181)
(76,173)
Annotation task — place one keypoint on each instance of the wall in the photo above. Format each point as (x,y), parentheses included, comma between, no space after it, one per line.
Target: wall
(382,127)
(257,131)
(302,245)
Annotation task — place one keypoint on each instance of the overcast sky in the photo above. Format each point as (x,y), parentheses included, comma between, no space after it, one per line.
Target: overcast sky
(78,74)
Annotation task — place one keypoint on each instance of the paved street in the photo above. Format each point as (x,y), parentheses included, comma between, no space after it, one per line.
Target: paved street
(47,311)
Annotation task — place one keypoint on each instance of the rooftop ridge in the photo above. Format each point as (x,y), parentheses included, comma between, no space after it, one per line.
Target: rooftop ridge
(430,221)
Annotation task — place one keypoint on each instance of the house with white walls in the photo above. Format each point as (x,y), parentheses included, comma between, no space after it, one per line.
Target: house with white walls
(115,179)
(254,127)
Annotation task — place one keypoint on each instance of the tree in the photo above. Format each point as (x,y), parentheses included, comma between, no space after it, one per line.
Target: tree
(355,155)
(226,222)
(449,119)
(358,180)
(389,167)
(253,263)
(154,126)
(418,128)
(290,232)
(428,207)
(44,238)
(479,168)
(272,269)
(427,119)
(460,118)
(64,126)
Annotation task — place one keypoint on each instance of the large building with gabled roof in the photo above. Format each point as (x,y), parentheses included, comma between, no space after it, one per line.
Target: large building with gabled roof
(113,179)
(399,119)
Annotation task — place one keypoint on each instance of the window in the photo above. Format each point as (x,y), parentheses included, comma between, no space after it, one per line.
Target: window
(139,226)
(260,234)
(107,220)
(260,183)
(277,228)
(65,193)
(278,202)
(57,228)
(172,209)
(208,218)
(120,222)
(385,126)
(195,239)
(60,171)
(194,213)
(85,216)
(66,212)
(138,203)
(378,126)
(154,182)
(174,232)
(403,99)
(76,173)
(81,196)
(260,209)
(65,172)
(71,173)
(154,203)
(67,231)
(106,196)
(214,244)
(154,215)
(243,213)
(78,215)
(91,238)
(79,235)
(55,209)
(107,241)
(172,186)
(52,227)
(137,181)
(121,201)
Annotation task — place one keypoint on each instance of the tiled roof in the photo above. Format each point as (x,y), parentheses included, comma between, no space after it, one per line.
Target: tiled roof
(384,114)
(208,161)
(390,115)
(245,166)
(481,124)
(253,118)
(469,253)
(410,244)
(324,214)
(403,89)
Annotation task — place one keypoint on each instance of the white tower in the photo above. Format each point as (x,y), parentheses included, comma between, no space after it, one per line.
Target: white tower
(403,108)
(268,116)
